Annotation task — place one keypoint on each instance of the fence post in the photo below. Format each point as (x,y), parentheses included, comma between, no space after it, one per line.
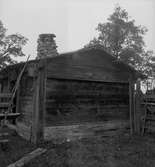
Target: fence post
(131,105)
(138,96)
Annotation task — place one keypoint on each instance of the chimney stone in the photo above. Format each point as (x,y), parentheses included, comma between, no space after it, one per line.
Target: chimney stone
(46,46)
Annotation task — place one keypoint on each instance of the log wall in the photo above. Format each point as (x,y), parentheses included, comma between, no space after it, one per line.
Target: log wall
(81,87)
(74,101)
(26,100)
(4,87)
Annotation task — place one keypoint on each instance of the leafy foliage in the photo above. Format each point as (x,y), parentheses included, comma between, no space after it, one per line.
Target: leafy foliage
(123,39)
(10,45)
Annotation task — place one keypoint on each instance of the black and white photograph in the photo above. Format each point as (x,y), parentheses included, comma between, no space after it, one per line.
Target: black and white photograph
(77,83)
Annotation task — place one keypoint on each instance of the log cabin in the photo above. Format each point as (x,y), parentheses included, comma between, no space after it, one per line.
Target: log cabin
(70,95)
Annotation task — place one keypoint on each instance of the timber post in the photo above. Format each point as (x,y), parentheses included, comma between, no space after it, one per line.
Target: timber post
(39,97)
(131,106)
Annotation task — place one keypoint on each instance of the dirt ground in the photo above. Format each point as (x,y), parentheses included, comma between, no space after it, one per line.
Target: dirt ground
(16,148)
(98,151)
(116,151)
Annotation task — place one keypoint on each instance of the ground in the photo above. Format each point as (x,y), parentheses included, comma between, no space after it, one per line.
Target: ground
(16,148)
(116,151)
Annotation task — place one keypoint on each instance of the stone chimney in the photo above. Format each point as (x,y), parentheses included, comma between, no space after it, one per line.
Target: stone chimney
(46,46)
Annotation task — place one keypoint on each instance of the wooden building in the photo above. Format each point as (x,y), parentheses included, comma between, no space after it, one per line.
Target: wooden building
(72,94)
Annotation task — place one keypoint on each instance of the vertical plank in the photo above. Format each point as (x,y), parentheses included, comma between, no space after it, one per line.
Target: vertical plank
(131,105)
(38,116)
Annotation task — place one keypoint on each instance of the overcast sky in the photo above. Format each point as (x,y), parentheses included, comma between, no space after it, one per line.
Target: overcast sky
(72,21)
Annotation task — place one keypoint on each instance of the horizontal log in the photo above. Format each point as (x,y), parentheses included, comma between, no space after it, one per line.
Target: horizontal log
(4,104)
(60,97)
(93,91)
(90,106)
(149,96)
(83,129)
(150,118)
(4,141)
(26,106)
(4,134)
(10,115)
(59,65)
(148,104)
(80,78)
(26,98)
(5,95)
(67,68)
(56,80)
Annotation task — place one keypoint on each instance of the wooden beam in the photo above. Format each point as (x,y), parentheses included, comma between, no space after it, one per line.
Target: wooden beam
(27,158)
(39,104)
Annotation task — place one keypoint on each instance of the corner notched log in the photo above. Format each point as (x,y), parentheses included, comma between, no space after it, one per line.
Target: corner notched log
(39,104)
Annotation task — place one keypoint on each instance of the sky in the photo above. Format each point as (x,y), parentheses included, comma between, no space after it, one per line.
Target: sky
(72,21)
